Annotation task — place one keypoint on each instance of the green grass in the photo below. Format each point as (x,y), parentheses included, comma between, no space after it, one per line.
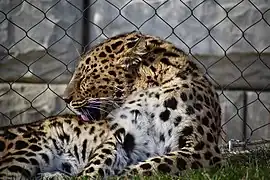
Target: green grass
(253,166)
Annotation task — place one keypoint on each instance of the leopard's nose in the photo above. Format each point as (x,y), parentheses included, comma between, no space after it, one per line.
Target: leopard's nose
(67,99)
(68,95)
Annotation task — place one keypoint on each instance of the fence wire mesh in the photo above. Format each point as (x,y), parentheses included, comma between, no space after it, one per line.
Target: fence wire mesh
(41,42)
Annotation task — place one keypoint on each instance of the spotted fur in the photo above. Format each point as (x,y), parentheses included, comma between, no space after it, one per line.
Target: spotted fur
(60,146)
(169,109)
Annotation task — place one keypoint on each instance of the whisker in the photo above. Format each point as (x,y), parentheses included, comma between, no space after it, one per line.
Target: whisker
(98,108)
(118,88)
(86,112)
(115,104)
(106,102)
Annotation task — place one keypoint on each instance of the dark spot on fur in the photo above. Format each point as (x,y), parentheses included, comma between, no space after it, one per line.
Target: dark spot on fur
(169,90)
(145,166)
(215,160)
(101,172)
(155,41)
(209,115)
(131,102)
(87,60)
(84,148)
(161,137)
(26,135)
(18,169)
(196,156)
(129,143)
(123,116)
(190,97)
(169,161)
(200,130)
(170,132)
(90,170)
(108,49)
(210,137)
(112,73)
(199,146)
(213,127)
(196,165)
(10,145)
(114,126)
(116,44)
(164,115)
(45,157)
(217,149)
(9,135)
(157,160)
(29,154)
(205,121)
(147,173)
(153,68)
(66,167)
(104,61)
(183,96)
(22,160)
(92,130)
(171,103)
(171,54)
(108,161)
(208,155)
(199,97)
(96,162)
(181,75)
(190,110)
(178,119)
(134,171)
(166,61)
(34,162)
(193,65)
(185,86)
(182,142)
(111,56)
(198,106)
(159,50)
(187,131)
(77,131)
(181,164)
(164,168)
(20,145)
(106,151)
(207,101)
(118,94)
(131,44)
(2,146)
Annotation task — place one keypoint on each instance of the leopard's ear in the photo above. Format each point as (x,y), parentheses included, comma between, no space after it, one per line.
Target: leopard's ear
(133,58)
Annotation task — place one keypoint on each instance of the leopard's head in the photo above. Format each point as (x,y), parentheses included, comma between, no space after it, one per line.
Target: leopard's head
(99,84)
(112,70)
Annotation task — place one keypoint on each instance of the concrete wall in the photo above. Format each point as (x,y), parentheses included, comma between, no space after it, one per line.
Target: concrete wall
(40,42)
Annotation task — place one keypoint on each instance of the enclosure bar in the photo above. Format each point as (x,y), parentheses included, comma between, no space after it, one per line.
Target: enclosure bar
(85,26)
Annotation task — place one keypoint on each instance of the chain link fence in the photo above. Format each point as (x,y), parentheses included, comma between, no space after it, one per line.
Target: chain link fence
(41,41)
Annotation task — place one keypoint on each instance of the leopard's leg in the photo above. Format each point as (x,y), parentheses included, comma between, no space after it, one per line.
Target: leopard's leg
(175,162)
(105,160)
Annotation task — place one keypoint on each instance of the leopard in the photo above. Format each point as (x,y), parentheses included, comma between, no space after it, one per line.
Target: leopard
(167,106)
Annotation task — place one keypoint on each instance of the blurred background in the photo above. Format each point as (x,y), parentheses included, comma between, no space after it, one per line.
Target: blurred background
(41,41)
